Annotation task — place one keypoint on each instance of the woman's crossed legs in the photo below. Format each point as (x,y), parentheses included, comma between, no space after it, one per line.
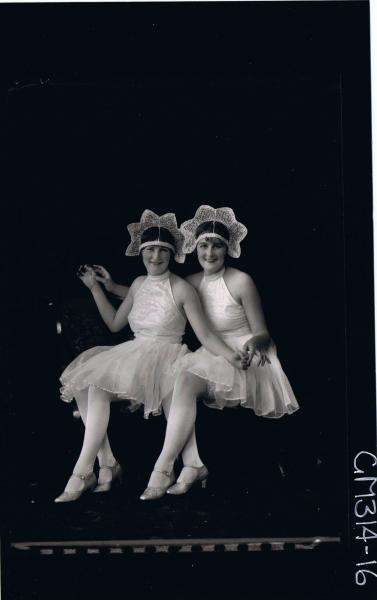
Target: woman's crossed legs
(180,430)
(94,408)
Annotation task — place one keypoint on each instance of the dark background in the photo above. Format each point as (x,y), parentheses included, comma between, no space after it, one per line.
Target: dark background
(263,107)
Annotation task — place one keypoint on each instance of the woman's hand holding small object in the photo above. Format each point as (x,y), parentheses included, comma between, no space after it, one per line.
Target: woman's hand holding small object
(239,360)
(260,353)
(104,277)
(87,276)
(245,360)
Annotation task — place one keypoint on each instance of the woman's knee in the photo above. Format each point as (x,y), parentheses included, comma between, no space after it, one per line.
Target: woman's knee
(82,396)
(188,382)
(98,395)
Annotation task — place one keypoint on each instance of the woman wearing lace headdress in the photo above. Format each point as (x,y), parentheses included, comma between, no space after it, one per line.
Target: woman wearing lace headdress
(232,305)
(141,370)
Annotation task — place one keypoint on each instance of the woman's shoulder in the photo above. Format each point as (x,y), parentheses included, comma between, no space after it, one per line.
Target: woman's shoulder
(195,279)
(181,286)
(137,283)
(238,277)
(178,281)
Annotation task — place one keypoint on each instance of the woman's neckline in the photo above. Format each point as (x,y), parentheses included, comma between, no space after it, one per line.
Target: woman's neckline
(214,276)
(161,277)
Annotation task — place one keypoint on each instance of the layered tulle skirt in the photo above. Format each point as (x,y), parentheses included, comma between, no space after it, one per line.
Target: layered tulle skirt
(140,371)
(266,390)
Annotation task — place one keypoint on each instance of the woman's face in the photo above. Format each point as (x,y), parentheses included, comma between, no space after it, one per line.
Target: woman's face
(156,259)
(211,254)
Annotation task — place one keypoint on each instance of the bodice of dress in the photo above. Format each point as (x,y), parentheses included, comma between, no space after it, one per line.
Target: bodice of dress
(226,316)
(154,312)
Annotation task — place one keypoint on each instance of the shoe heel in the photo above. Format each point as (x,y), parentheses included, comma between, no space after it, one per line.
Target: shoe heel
(120,476)
(204,483)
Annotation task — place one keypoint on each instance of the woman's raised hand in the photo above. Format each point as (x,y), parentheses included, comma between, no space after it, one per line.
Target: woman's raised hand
(87,275)
(256,349)
(104,277)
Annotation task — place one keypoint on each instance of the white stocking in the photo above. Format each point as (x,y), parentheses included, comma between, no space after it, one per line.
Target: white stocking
(190,453)
(181,422)
(97,420)
(105,453)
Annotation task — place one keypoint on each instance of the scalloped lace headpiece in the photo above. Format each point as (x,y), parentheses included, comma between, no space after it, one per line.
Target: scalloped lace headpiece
(150,219)
(224,215)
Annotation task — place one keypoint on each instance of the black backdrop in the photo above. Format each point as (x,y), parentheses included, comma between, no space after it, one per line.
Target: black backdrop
(112,109)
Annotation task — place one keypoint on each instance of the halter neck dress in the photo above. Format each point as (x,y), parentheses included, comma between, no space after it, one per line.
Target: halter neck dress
(140,370)
(266,390)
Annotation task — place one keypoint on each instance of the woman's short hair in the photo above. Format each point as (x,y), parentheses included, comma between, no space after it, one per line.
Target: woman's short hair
(157,234)
(212,227)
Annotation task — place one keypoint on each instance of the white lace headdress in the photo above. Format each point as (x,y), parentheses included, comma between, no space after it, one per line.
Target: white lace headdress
(237,231)
(150,219)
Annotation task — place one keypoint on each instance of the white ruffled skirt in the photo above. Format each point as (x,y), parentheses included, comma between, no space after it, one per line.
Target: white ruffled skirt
(266,390)
(140,371)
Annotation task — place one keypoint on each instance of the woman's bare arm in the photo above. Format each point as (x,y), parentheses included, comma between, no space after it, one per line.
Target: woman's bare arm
(189,299)
(104,277)
(115,319)
(257,345)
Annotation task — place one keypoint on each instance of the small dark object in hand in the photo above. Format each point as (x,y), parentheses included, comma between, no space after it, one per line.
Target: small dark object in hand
(81,270)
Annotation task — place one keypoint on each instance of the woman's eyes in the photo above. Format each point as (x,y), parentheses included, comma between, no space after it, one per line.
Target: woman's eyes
(205,246)
(151,249)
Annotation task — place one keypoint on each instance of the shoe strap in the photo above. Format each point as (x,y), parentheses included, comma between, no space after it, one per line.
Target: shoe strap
(192,467)
(81,476)
(167,473)
(108,466)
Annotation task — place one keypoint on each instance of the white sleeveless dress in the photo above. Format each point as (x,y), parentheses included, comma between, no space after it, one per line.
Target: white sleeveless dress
(266,390)
(140,370)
